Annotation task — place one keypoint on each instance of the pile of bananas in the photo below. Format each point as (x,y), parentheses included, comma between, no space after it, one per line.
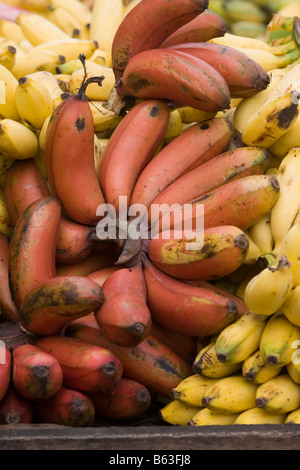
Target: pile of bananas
(96,110)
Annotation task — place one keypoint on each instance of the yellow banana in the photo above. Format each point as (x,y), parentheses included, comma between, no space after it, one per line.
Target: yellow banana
(261,234)
(277,344)
(291,307)
(293,417)
(69,48)
(293,367)
(38,29)
(67,22)
(11,30)
(287,204)
(206,417)
(206,363)
(290,139)
(34,97)
(101,57)
(6,226)
(191,390)
(241,338)
(17,140)
(8,107)
(230,395)
(106,18)
(93,90)
(253,252)
(177,413)
(174,127)
(36,60)
(279,395)
(129,6)
(250,105)
(259,416)
(71,65)
(104,119)
(191,115)
(291,248)
(78,9)
(99,147)
(7,55)
(232,40)
(257,370)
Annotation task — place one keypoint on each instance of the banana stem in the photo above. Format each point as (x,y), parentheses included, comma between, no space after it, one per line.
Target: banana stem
(86,81)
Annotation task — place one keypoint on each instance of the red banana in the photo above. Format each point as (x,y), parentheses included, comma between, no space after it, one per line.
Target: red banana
(36,375)
(86,367)
(5,370)
(124,317)
(227,166)
(174,75)
(66,408)
(130,148)
(147,25)
(222,251)
(69,156)
(47,308)
(244,76)
(240,203)
(194,311)
(128,400)
(205,26)
(151,362)
(195,146)
(8,308)
(101,275)
(25,184)
(15,409)
(32,247)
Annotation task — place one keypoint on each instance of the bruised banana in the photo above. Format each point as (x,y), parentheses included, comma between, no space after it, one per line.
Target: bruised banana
(177,76)
(279,395)
(193,147)
(230,395)
(135,34)
(244,76)
(240,339)
(211,311)
(279,340)
(240,203)
(218,252)
(40,220)
(205,26)
(41,316)
(151,362)
(207,364)
(130,149)
(225,167)
(69,150)
(257,370)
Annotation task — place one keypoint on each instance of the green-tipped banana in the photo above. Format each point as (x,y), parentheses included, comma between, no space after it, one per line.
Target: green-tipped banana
(259,416)
(230,395)
(177,413)
(279,395)
(191,390)
(206,417)
(207,363)
(257,370)
(277,344)
(241,338)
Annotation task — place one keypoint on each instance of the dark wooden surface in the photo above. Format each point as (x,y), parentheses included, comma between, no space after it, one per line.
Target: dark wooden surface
(239,437)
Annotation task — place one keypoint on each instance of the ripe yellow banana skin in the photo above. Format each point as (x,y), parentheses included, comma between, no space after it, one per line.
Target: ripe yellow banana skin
(259,416)
(261,234)
(257,370)
(106,18)
(206,363)
(293,368)
(293,417)
(277,345)
(206,417)
(241,338)
(279,395)
(267,291)
(177,413)
(93,90)
(38,29)
(191,390)
(291,307)
(230,395)
(17,140)
(8,108)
